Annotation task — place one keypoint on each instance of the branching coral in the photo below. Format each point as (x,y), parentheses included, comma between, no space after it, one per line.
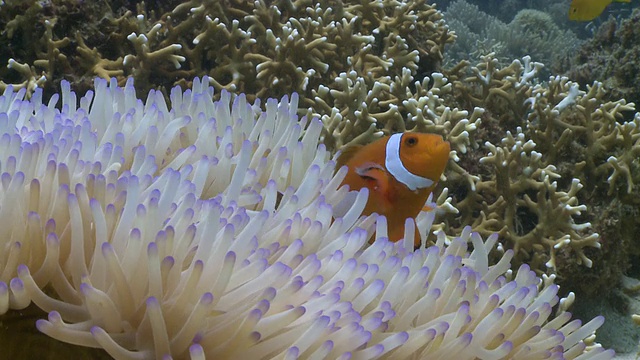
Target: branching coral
(592,122)
(145,61)
(526,190)
(96,65)
(363,69)
(626,164)
(39,34)
(529,210)
(264,49)
(154,240)
(29,73)
(578,138)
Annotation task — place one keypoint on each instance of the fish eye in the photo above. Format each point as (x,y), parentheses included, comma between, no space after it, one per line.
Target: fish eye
(411,141)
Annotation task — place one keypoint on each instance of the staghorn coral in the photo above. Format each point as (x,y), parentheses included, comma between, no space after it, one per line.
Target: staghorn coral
(154,241)
(29,73)
(595,140)
(260,49)
(581,139)
(502,90)
(591,128)
(377,78)
(517,188)
(40,34)
(625,165)
(146,62)
(529,211)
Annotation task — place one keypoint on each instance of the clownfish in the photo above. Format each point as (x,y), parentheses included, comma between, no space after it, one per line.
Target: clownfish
(586,10)
(400,172)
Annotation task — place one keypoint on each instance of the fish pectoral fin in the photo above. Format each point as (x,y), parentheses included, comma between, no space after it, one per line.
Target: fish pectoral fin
(376,175)
(367,167)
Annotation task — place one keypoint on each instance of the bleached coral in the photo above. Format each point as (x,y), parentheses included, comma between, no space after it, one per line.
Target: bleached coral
(206,229)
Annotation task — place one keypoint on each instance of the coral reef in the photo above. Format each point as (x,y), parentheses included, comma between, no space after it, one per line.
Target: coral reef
(505,10)
(363,70)
(550,166)
(154,240)
(530,32)
(610,57)
(527,185)
(529,210)
(317,49)
(606,67)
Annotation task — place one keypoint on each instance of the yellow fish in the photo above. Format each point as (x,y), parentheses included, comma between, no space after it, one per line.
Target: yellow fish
(586,10)
(400,172)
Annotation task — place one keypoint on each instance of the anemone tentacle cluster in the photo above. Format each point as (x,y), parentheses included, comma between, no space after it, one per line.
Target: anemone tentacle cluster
(210,230)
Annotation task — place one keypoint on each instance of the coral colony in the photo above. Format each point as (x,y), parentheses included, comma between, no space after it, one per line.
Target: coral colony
(206,229)
(373,68)
(209,222)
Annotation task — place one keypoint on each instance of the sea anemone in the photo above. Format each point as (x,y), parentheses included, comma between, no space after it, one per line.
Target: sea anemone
(211,230)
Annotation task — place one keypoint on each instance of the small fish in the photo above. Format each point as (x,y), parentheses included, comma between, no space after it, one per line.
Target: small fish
(586,10)
(400,172)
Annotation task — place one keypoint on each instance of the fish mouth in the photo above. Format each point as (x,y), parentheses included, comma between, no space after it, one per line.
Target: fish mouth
(441,142)
(440,147)
(437,157)
(430,160)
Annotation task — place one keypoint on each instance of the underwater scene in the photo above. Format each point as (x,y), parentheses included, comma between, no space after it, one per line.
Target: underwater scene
(293,179)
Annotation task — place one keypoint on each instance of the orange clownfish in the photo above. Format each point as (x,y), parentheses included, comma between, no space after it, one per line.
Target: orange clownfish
(400,172)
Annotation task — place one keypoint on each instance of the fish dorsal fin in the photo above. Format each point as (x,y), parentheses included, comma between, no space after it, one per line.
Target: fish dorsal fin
(346,154)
